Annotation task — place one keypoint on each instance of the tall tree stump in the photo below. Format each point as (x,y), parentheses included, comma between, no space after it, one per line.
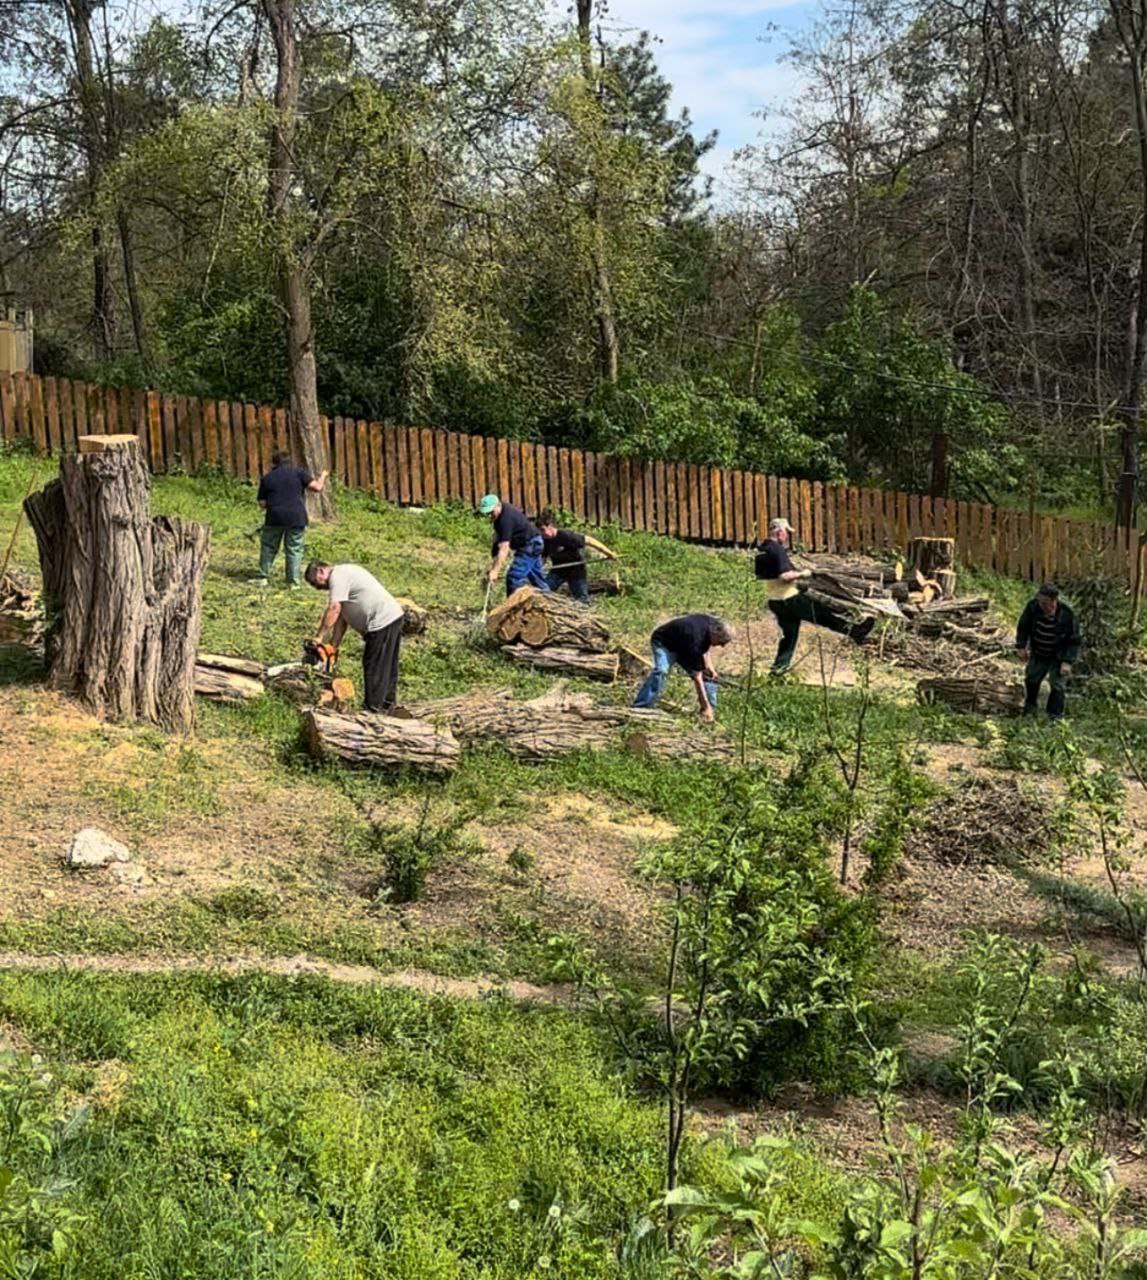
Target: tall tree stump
(123,587)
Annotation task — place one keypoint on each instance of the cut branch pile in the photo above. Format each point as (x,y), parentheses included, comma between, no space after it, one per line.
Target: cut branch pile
(979,695)
(983,823)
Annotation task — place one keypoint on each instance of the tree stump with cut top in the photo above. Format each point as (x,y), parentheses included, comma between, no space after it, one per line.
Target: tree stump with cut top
(122,586)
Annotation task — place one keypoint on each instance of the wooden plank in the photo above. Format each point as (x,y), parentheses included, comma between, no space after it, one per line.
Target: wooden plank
(65,392)
(465,470)
(7,407)
(375,476)
(441,467)
(668,498)
(195,432)
(524,464)
(804,500)
(649,484)
(681,488)
(391,467)
(515,493)
(429,468)
(251,442)
(401,448)
(761,506)
(477,466)
(577,481)
(660,497)
(693,491)
(19,406)
(153,415)
(210,435)
(607,470)
(624,492)
(233,411)
(829,497)
(340,464)
(590,461)
(732,506)
(503,455)
(709,504)
(414,461)
(167,421)
(554,496)
(182,433)
(46,424)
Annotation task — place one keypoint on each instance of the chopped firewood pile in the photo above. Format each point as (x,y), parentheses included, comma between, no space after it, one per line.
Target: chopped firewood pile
(978,695)
(21,611)
(429,735)
(939,632)
(544,630)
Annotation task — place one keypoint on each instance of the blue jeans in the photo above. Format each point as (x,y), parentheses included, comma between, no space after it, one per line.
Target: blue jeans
(526,568)
(654,684)
(579,586)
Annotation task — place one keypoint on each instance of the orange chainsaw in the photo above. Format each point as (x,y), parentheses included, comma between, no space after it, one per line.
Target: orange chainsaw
(323,656)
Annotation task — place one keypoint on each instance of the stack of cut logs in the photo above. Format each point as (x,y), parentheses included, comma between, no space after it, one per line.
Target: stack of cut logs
(848,584)
(544,630)
(430,735)
(21,611)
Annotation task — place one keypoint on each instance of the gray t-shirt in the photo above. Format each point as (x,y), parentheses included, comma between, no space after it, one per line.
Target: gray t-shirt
(366,603)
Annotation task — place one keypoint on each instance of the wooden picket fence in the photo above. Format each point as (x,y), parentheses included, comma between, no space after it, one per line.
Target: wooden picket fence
(418,465)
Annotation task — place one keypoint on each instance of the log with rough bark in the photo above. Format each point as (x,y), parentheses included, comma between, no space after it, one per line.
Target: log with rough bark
(21,611)
(679,746)
(961,605)
(568,662)
(984,696)
(540,618)
(380,741)
(226,686)
(123,586)
(946,580)
(414,616)
(559,722)
(228,662)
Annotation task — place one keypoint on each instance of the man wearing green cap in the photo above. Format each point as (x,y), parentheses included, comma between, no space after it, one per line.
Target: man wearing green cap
(514,535)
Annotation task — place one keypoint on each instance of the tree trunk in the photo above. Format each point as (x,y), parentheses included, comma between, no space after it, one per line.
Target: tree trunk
(131,283)
(380,741)
(540,618)
(569,662)
(608,344)
(308,437)
(124,587)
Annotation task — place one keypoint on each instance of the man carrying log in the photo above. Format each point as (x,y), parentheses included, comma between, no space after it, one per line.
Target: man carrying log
(686,641)
(356,599)
(789,605)
(282,496)
(565,550)
(514,536)
(1047,635)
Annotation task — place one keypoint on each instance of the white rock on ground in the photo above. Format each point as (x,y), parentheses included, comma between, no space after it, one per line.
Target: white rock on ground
(92,847)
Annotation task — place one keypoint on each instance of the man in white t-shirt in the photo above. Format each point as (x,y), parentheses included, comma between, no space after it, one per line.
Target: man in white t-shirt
(356,599)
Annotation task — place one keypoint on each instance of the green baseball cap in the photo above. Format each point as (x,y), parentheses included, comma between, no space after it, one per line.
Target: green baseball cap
(488,503)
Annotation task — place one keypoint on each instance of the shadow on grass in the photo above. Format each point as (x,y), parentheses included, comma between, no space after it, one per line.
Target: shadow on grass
(20,664)
(1084,899)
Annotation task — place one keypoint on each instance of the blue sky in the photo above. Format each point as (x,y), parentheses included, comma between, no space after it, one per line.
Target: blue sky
(722,59)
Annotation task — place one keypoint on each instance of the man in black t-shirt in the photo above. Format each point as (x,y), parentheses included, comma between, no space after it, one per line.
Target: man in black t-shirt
(565,550)
(282,495)
(516,537)
(686,641)
(788,604)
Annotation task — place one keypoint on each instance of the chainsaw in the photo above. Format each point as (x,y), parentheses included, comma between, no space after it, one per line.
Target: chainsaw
(323,656)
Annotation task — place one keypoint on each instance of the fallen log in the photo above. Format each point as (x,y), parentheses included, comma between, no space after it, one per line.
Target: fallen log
(379,741)
(981,696)
(677,746)
(540,618)
(226,686)
(945,608)
(236,666)
(571,662)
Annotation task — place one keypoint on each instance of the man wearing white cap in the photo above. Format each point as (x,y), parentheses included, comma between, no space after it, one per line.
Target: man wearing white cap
(791,606)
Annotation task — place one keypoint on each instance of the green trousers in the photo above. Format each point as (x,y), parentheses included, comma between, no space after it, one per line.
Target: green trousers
(292,540)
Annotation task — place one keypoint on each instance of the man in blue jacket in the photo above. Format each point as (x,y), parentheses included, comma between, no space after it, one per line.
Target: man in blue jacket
(1047,635)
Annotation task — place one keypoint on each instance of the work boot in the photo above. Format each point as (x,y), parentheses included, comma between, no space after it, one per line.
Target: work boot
(862,630)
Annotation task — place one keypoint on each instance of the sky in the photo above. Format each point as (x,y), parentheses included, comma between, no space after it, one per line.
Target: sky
(722,58)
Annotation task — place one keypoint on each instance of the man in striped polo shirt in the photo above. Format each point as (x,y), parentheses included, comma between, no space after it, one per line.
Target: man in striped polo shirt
(1048,637)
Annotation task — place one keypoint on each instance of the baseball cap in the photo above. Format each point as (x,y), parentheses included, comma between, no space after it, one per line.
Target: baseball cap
(488,503)
(779,523)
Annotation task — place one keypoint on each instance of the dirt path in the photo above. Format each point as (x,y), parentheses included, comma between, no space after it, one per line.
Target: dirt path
(291,966)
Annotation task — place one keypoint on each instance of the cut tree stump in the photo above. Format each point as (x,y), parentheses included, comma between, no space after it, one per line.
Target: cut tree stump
(414,616)
(540,618)
(380,741)
(124,587)
(568,662)
(927,555)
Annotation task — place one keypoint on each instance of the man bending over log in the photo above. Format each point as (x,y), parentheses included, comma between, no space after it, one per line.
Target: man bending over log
(565,550)
(282,496)
(356,599)
(1048,637)
(686,641)
(514,536)
(789,605)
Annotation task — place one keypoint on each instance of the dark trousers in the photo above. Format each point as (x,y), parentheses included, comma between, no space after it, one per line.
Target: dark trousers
(380,666)
(790,614)
(1037,671)
(578,584)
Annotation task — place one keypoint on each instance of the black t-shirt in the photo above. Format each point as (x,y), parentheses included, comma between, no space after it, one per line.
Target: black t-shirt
(687,639)
(511,526)
(772,560)
(282,489)
(566,546)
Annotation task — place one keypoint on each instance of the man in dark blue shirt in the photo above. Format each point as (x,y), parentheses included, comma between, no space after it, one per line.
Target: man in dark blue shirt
(514,535)
(282,495)
(686,641)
